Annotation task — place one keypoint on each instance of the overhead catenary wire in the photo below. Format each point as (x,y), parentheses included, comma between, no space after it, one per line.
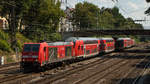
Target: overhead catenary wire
(129,13)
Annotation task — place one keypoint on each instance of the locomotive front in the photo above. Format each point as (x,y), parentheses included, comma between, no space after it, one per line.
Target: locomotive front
(30,56)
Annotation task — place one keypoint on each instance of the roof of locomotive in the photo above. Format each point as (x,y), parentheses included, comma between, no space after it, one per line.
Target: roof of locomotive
(59,43)
(81,38)
(124,39)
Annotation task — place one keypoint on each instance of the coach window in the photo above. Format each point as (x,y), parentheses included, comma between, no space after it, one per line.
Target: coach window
(95,50)
(87,52)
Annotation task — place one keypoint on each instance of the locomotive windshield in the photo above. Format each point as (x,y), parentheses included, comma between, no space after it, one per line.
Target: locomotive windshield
(31,47)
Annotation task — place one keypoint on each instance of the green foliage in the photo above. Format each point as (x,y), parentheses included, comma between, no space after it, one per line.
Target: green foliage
(13,11)
(21,40)
(3,36)
(55,37)
(137,39)
(88,15)
(112,19)
(4,46)
(9,59)
(42,19)
(19,45)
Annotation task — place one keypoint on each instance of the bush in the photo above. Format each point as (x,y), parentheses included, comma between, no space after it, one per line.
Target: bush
(21,40)
(9,59)
(4,46)
(3,35)
(19,45)
(55,37)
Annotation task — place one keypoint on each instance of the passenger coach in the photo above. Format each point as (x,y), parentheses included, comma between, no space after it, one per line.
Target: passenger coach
(122,43)
(85,47)
(107,44)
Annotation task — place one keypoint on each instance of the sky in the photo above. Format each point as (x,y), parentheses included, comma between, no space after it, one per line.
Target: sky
(128,8)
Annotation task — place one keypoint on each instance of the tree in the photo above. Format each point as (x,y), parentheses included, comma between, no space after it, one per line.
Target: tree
(42,19)
(148,10)
(148,0)
(106,19)
(86,15)
(12,10)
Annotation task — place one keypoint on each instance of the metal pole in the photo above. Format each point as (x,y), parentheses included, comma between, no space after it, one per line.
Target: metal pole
(13,29)
(17,55)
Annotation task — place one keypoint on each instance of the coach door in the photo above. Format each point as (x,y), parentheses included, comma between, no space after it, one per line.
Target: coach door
(53,54)
(68,51)
(84,50)
(45,53)
(61,52)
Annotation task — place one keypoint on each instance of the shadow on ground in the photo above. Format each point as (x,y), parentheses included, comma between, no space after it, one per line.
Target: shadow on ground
(140,54)
(142,65)
(128,54)
(145,80)
(136,51)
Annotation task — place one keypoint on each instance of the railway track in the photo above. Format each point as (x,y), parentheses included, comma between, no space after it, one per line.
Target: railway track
(38,74)
(67,73)
(11,64)
(64,74)
(73,70)
(97,78)
(107,71)
(95,75)
(109,77)
(12,77)
(136,80)
(10,69)
(55,77)
(50,78)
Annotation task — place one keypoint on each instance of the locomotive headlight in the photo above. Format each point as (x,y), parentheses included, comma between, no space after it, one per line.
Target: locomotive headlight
(36,60)
(23,59)
(34,56)
(25,56)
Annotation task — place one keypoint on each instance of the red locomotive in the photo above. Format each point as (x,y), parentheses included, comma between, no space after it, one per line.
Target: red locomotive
(41,54)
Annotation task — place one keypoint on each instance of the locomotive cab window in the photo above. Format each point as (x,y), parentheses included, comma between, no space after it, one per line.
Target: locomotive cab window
(31,47)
